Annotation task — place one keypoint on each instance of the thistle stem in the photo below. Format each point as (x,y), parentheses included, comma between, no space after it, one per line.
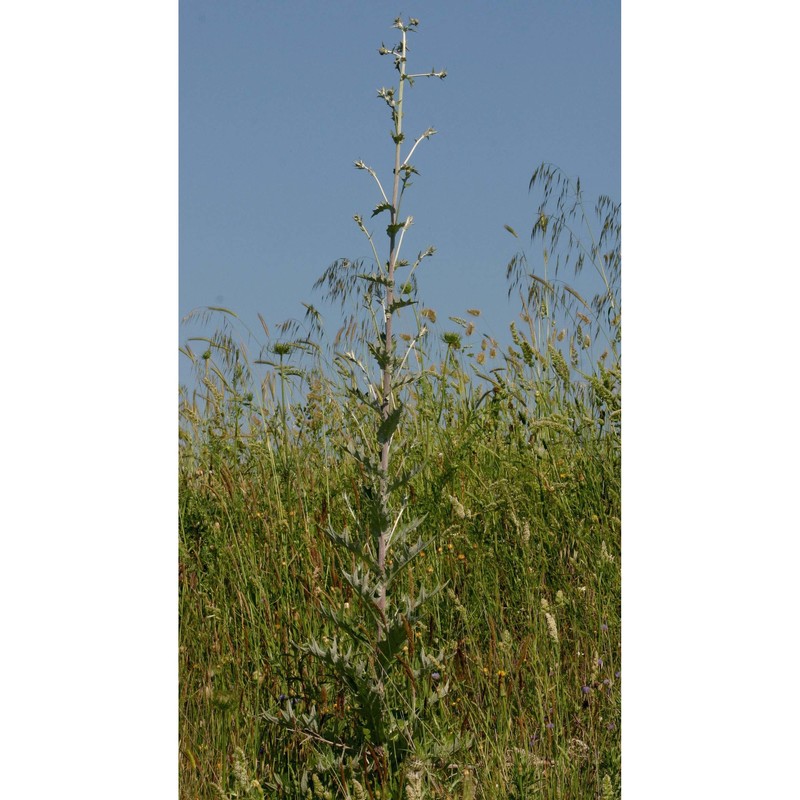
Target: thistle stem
(388,371)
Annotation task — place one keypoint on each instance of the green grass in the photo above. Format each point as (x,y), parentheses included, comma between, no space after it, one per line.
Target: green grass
(520,485)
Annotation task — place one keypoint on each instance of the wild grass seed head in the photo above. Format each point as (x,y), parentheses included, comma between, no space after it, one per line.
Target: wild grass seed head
(552,628)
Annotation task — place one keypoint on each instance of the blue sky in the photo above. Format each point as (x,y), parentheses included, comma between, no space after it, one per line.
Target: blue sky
(278,99)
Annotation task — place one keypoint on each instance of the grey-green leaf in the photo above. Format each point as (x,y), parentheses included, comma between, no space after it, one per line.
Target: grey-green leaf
(389,425)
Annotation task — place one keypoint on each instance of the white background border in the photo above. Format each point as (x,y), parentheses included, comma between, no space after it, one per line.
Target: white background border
(89,214)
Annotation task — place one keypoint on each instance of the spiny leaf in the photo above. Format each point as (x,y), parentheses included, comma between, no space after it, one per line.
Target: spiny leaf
(404,556)
(393,230)
(382,358)
(366,586)
(402,532)
(389,425)
(363,458)
(382,207)
(391,645)
(398,304)
(356,547)
(358,634)
(374,277)
(404,478)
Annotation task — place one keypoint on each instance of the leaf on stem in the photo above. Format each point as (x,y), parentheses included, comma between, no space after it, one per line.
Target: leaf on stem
(399,304)
(382,207)
(389,425)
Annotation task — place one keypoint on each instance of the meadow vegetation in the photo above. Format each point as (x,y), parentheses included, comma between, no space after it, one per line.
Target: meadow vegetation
(400,547)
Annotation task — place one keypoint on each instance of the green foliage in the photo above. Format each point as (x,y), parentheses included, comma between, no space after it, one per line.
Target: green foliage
(400,553)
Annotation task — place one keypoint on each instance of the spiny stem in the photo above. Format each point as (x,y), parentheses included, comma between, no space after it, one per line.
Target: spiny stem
(388,344)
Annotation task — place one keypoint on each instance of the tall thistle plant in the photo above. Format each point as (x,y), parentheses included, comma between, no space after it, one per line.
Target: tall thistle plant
(374,661)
